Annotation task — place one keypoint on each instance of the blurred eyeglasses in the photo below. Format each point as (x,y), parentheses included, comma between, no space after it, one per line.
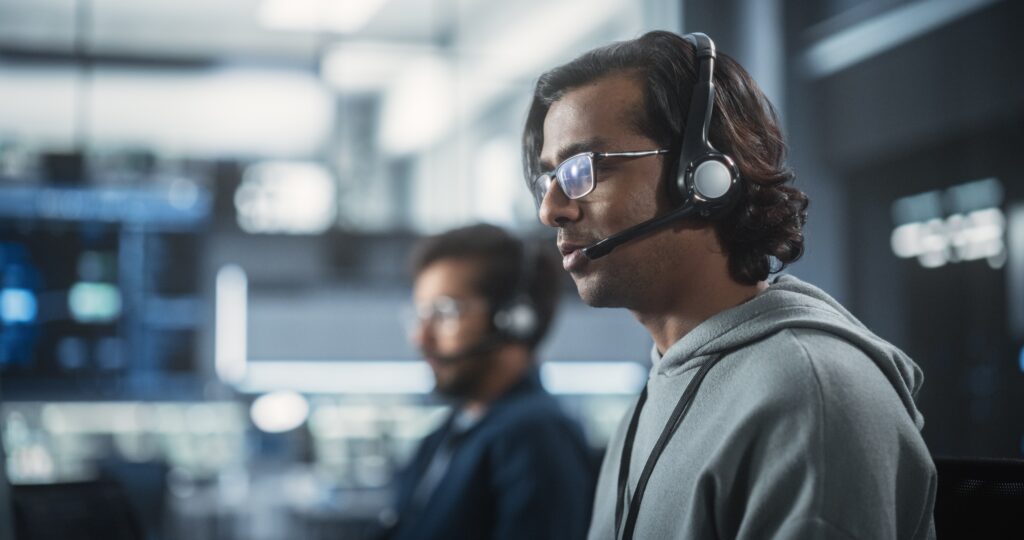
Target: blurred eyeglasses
(576,174)
(444,313)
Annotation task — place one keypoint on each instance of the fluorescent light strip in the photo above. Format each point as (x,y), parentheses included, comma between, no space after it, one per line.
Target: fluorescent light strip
(593,377)
(414,377)
(339,377)
(880,34)
(230,332)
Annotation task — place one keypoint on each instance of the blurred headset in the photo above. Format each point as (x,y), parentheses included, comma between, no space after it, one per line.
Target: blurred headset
(707,180)
(516,319)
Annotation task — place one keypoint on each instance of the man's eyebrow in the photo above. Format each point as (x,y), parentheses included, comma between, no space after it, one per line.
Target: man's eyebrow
(593,144)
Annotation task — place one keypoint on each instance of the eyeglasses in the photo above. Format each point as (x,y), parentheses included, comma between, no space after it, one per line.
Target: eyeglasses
(576,174)
(444,313)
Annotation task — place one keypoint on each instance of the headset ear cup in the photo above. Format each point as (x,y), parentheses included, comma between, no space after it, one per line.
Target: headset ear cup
(711,183)
(518,321)
(712,179)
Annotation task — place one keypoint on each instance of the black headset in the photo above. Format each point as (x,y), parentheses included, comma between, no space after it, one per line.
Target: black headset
(706,177)
(516,319)
(706,180)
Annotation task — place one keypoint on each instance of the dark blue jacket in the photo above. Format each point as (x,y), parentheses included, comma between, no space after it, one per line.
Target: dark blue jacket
(522,472)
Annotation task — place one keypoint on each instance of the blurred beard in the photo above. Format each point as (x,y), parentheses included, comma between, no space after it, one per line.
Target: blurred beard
(461,380)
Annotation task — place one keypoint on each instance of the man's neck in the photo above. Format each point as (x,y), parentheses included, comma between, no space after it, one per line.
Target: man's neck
(678,316)
(510,366)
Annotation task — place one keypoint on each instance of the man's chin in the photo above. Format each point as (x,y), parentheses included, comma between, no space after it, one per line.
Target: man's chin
(594,292)
(450,391)
(451,386)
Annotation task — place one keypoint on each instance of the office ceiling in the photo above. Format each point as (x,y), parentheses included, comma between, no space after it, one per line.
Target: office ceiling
(204,29)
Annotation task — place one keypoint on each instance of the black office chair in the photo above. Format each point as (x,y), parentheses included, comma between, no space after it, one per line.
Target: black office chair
(979,499)
(97,510)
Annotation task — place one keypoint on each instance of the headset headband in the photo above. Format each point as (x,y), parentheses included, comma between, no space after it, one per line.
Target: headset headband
(702,103)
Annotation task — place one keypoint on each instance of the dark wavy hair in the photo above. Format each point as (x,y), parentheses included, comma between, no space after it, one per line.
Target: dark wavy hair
(507,267)
(763,232)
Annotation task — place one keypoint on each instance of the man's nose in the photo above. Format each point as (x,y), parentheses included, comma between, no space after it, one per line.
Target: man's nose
(422,332)
(556,209)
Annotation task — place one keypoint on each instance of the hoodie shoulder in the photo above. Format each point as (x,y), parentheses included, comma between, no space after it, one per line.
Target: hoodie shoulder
(847,384)
(814,390)
(817,326)
(803,411)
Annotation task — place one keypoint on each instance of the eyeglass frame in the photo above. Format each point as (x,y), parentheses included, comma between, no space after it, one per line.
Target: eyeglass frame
(593,156)
(448,323)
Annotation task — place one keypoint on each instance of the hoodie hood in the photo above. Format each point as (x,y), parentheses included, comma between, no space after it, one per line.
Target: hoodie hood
(791,303)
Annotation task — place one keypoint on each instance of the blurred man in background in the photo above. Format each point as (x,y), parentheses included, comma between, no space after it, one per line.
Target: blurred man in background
(507,463)
(6,508)
(662,166)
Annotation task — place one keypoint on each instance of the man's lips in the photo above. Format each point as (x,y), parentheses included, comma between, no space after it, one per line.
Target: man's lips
(572,256)
(437,362)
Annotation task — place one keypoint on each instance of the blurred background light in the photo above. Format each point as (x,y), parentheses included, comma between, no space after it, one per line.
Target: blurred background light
(94,302)
(280,411)
(517,44)
(915,208)
(286,197)
(593,377)
(183,193)
(497,184)
(18,306)
(877,35)
(241,111)
(176,110)
(977,233)
(23,91)
(72,353)
(976,195)
(368,66)
(419,107)
(94,266)
(415,377)
(231,307)
(341,16)
(351,377)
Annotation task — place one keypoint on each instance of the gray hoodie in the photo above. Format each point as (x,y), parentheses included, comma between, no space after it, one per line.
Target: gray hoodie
(805,428)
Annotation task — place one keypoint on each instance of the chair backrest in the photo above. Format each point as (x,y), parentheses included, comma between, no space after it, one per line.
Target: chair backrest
(979,498)
(97,510)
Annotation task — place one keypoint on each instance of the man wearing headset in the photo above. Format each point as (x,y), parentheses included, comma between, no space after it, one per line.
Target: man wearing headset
(507,463)
(770,411)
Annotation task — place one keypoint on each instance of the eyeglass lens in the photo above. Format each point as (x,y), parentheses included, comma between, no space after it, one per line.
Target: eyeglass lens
(443,312)
(575,176)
